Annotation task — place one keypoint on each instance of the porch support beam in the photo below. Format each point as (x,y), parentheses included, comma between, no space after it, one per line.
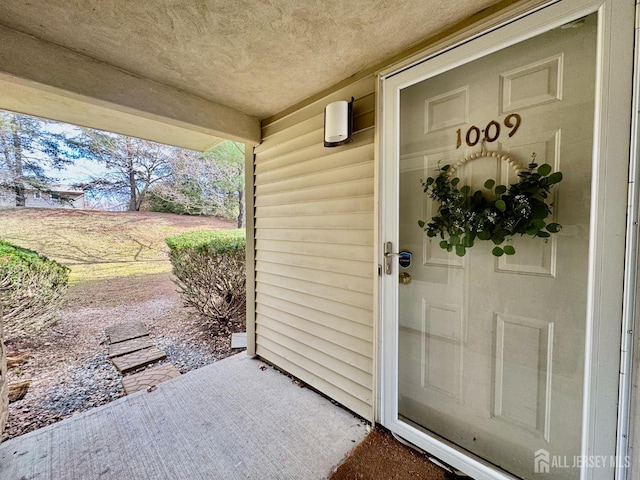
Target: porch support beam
(43,79)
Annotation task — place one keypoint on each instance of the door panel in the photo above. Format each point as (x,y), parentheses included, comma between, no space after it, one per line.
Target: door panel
(491,350)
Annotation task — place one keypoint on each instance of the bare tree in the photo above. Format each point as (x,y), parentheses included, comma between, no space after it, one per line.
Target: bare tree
(132,165)
(229,157)
(27,149)
(207,184)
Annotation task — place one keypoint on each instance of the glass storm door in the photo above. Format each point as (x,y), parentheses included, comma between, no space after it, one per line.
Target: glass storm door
(490,351)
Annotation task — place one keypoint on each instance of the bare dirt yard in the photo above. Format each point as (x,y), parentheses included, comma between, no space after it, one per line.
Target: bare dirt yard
(120,272)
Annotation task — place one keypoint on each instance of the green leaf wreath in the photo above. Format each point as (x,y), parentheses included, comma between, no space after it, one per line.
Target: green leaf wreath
(464,217)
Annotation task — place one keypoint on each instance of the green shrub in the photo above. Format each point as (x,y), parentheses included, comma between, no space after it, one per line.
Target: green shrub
(32,289)
(209,268)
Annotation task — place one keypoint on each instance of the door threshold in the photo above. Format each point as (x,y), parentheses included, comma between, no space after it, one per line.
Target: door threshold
(439,463)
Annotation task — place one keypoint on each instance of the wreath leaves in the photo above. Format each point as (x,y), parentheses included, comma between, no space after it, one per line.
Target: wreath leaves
(464,217)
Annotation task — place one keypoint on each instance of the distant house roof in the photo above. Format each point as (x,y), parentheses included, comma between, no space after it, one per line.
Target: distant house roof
(60,189)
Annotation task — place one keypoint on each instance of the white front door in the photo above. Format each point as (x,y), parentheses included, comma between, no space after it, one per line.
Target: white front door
(488,353)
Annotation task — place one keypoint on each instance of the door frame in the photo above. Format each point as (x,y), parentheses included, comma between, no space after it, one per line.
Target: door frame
(604,425)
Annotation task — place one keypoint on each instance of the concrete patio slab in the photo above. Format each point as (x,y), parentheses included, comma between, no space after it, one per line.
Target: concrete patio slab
(229,420)
(149,378)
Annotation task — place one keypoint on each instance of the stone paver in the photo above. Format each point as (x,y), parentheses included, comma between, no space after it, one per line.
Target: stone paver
(138,359)
(149,378)
(129,346)
(126,331)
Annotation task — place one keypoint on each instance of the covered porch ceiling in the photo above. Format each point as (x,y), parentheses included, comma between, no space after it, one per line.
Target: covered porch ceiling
(190,73)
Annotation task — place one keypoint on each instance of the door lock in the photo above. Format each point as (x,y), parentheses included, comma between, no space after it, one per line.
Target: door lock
(404,258)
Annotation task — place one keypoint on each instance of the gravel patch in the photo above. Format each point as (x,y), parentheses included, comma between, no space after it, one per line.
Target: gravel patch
(185,356)
(74,389)
(88,385)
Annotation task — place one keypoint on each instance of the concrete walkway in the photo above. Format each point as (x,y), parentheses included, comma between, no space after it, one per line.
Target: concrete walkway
(229,420)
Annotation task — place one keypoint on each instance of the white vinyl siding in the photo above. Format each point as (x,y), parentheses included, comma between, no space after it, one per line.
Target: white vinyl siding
(314,258)
(34,199)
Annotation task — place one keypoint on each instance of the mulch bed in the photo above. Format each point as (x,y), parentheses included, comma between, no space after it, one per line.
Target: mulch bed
(382,457)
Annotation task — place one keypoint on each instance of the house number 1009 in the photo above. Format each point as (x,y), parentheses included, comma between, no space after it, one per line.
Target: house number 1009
(491,132)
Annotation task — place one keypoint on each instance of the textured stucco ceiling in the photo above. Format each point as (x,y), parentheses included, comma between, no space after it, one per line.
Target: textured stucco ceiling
(256,56)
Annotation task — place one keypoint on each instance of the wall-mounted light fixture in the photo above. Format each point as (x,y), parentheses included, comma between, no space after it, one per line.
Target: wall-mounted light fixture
(338,123)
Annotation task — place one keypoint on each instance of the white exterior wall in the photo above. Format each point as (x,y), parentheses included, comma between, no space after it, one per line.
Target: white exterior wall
(315,267)
(7,199)
(44,200)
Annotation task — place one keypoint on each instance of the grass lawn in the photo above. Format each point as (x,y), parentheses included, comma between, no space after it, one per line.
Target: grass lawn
(101,245)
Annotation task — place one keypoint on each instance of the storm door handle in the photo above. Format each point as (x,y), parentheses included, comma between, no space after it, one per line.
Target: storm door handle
(388,257)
